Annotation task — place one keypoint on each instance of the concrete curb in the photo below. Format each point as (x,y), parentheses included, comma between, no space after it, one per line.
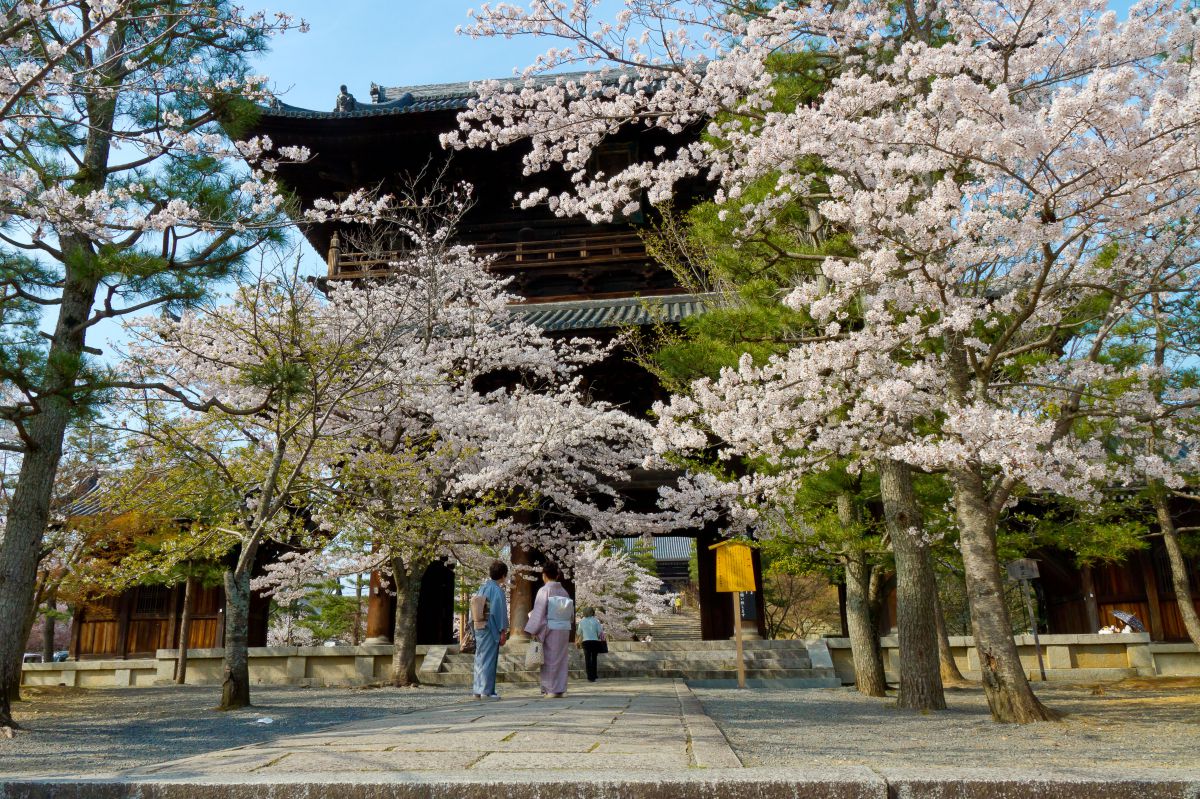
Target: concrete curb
(707,746)
(842,783)
(850,782)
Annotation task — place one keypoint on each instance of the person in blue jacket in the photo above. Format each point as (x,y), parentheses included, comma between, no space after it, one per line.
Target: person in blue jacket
(490,637)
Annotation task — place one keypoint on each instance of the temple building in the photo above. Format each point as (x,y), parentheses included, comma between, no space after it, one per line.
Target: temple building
(577,278)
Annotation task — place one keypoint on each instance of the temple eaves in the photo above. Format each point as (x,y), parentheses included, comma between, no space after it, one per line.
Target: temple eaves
(418,99)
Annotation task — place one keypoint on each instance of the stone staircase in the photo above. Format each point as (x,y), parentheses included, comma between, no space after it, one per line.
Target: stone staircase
(692,660)
(684,626)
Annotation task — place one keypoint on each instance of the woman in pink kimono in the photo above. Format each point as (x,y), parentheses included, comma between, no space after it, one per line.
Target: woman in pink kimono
(550,622)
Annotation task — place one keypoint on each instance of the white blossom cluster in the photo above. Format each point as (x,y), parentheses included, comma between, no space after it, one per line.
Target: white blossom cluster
(624,595)
(1020,190)
(76,67)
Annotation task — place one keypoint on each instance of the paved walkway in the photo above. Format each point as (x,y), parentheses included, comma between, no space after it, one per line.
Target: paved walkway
(610,727)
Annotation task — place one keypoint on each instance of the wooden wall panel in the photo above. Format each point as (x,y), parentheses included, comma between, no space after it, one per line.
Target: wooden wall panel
(98,637)
(203,634)
(148,635)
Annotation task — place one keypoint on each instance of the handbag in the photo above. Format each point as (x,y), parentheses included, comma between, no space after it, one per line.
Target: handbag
(479,611)
(603,648)
(467,647)
(535,656)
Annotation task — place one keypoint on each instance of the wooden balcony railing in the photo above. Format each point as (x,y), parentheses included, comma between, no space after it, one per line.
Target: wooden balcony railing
(566,266)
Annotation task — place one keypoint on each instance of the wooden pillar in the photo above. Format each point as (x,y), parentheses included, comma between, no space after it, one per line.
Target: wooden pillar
(1150,581)
(760,619)
(76,631)
(177,591)
(381,610)
(1091,606)
(716,612)
(334,255)
(124,611)
(522,593)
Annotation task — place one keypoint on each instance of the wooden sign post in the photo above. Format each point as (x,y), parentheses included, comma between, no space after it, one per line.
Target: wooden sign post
(735,573)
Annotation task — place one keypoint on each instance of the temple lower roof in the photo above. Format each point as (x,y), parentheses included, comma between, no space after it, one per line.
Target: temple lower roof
(614,312)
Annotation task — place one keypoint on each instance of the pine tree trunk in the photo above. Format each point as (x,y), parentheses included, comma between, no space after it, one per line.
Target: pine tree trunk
(1179,575)
(29,509)
(235,687)
(404,636)
(1008,693)
(864,639)
(952,677)
(185,630)
(920,677)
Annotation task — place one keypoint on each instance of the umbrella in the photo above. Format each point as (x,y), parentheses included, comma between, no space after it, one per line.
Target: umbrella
(1131,620)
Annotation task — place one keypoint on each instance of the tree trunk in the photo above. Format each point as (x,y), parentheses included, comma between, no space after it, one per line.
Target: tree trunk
(404,635)
(920,678)
(1008,693)
(864,638)
(1179,575)
(29,509)
(48,622)
(951,675)
(235,688)
(185,630)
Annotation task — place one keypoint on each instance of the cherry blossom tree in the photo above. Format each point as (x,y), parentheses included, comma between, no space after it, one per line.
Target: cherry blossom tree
(1017,178)
(480,437)
(243,399)
(624,594)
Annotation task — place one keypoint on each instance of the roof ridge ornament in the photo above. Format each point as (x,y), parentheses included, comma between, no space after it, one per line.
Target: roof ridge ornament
(345,100)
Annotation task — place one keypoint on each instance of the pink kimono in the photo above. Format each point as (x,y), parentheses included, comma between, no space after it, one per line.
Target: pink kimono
(555,643)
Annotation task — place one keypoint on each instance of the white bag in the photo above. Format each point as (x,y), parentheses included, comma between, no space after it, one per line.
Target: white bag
(534,656)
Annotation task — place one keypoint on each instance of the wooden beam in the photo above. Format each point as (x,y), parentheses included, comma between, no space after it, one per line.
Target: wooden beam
(124,610)
(1089,599)
(1150,581)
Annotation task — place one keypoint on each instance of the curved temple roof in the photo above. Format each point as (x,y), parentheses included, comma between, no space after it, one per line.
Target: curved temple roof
(616,312)
(424,98)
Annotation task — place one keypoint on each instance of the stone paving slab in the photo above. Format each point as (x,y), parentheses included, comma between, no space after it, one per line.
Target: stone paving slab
(648,740)
(654,727)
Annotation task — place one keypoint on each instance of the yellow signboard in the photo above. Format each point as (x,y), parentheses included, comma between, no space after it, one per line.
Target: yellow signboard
(735,567)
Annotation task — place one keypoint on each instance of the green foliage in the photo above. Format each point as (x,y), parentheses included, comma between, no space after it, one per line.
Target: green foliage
(1106,532)
(326,612)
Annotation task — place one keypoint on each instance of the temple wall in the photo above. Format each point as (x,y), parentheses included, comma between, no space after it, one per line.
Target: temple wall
(277,665)
(1068,658)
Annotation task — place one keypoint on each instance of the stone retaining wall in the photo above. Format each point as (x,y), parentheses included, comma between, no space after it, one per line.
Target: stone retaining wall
(1068,658)
(269,665)
(1086,658)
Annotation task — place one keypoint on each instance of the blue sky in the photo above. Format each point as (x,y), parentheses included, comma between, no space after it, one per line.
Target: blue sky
(391,42)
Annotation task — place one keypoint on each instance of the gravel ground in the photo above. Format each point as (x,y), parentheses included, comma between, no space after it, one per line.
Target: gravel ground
(97,730)
(1134,725)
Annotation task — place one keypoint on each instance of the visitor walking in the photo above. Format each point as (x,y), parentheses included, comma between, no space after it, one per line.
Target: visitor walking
(489,618)
(550,623)
(591,639)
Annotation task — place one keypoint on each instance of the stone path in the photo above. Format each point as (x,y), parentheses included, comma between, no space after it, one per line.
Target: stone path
(613,727)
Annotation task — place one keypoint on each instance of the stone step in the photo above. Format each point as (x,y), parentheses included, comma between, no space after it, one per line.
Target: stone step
(663,646)
(814,678)
(650,665)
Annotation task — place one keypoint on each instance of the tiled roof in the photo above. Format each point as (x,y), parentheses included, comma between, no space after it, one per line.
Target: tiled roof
(619,312)
(88,502)
(418,99)
(666,547)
